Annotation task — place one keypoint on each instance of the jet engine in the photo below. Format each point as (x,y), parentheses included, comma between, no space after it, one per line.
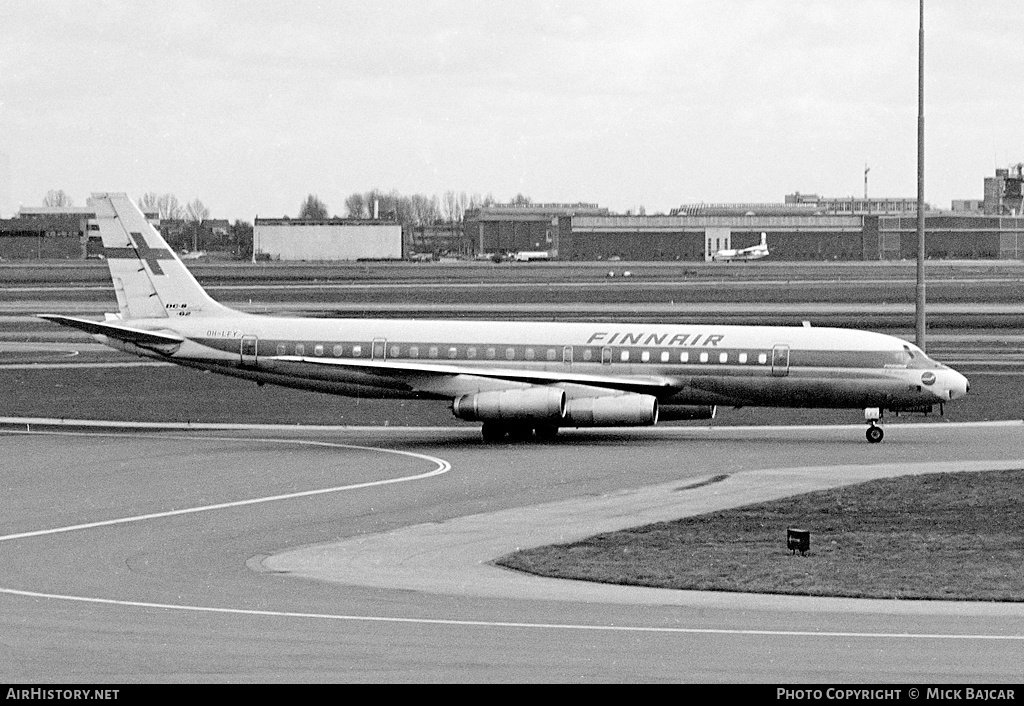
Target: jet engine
(678,412)
(533,404)
(620,410)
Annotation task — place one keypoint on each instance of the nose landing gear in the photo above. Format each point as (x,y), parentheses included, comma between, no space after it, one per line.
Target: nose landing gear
(874,432)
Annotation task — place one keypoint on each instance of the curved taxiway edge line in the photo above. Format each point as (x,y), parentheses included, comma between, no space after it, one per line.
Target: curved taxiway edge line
(454,557)
(441,466)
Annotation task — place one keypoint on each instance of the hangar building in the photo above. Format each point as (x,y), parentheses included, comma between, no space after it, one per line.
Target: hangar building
(514,228)
(329,239)
(810,237)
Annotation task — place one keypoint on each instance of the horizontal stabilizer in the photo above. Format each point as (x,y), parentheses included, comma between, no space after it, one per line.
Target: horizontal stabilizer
(121,333)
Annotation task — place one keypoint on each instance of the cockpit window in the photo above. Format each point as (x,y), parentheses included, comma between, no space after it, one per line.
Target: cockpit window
(916,357)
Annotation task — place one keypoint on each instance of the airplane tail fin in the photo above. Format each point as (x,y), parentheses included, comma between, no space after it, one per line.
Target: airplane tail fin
(149,279)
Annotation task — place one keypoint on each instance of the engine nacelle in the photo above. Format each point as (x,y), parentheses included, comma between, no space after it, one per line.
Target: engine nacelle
(678,412)
(533,404)
(612,411)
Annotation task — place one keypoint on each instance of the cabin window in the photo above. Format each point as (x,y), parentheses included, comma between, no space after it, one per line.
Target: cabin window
(528,354)
(357,351)
(432,352)
(492,354)
(300,349)
(723,357)
(664,356)
(743,357)
(606,355)
(338,350)
(645,357)
(552,354)
(704,357)
(624,356)
(588,354)
(282,349)
(318,350)
(395,351)
(510,354)
(414,351)
(471,352)
(453,352)
(762,358)
(684,357)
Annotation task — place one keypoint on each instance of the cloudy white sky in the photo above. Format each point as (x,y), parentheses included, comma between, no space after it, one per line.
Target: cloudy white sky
(250,106)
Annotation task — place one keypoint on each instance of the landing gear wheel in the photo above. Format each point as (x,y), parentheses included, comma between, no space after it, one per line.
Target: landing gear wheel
(547,433)
(493,432)
(874,434)
(520,433)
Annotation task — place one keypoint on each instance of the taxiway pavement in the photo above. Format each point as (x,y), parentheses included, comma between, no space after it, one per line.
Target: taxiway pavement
(278,554)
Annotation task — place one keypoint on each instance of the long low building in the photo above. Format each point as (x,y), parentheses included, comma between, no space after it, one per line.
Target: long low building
(329,239)
(810,237)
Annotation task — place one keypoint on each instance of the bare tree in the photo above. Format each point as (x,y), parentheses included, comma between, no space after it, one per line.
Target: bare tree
(424,210)
(195,214)
(241,238)
(454,206)
(57,198)
(196,211)
(374,202)
(356,206)
(400,207)
(450,206)
(149,202)
(168,207)
(313,208)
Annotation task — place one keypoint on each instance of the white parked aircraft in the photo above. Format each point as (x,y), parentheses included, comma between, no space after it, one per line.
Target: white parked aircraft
(519,378)
(754,252)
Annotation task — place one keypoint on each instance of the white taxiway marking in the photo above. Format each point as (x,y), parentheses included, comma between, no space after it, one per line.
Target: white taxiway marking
(442,467)
(503,624)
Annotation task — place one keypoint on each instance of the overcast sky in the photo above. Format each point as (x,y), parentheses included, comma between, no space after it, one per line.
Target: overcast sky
(250,106)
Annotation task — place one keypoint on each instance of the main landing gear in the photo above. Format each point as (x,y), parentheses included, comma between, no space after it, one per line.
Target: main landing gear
(495,431)
(874,432)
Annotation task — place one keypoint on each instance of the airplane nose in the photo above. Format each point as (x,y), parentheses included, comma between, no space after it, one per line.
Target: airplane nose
(958,385)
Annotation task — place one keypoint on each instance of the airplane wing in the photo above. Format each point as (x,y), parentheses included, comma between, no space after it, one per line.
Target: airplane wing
(122,333)
(648,385)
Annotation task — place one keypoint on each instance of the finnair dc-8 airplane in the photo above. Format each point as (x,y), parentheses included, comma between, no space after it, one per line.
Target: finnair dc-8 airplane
(520,379)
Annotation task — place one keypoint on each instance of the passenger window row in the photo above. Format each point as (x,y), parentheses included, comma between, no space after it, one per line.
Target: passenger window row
(584,354)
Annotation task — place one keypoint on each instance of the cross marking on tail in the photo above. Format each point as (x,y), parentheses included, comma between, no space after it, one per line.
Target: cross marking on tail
(150,255)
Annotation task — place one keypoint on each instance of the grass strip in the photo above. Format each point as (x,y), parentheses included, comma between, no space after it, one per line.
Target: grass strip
(942,536)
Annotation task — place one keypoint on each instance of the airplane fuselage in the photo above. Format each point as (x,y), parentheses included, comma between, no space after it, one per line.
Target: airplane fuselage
(680,365)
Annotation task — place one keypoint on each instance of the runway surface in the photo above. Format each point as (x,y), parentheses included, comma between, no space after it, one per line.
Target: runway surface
(282,554)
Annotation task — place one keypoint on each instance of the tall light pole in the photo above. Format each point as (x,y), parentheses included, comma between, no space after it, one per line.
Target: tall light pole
(920,327)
